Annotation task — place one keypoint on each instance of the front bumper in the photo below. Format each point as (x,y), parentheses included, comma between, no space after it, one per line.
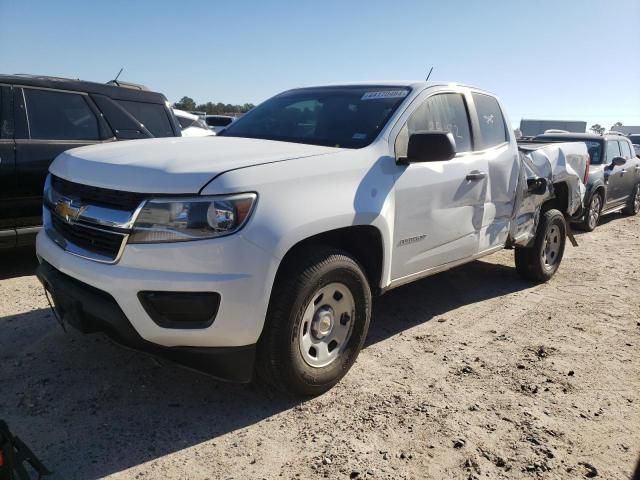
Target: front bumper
(91,310)
(240,272)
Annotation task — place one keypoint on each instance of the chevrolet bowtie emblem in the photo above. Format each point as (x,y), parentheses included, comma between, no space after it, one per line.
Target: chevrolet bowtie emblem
(69,212)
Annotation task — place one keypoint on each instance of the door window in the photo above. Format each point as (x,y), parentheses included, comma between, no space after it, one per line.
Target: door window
(445,112)
(625,148)
(60,116)
(493,129)
(152,115)
(6,113)
(613,150)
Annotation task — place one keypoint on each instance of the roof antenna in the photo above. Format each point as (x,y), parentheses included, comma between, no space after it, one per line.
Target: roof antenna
(430,70)
(115,80)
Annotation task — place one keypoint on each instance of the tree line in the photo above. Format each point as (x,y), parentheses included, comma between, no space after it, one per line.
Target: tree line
(210,108)
(599,129)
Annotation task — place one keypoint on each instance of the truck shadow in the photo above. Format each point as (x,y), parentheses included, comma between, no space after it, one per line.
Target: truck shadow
(17,262)
(424,300)
(89,408)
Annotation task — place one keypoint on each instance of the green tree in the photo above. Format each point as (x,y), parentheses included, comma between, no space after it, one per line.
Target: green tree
(219,108)
(597,128)
(186,103)
(616,126)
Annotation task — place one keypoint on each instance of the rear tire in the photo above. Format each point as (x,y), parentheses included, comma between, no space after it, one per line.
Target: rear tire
(316,324)
(633,206)
(541,261)
(592,213)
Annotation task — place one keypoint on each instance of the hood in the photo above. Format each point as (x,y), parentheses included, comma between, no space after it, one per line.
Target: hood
(171,165)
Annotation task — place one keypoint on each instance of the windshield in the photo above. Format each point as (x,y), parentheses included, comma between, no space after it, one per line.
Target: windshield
(348,117)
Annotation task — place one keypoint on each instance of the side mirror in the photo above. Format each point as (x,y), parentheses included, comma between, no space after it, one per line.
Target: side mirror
(430,147)
(537,186)
(618,161)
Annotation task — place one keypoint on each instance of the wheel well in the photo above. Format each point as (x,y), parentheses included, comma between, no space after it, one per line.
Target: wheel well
(362,242)
(600,190)
(560,200)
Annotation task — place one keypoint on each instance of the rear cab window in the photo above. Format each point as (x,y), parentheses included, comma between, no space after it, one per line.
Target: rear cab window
(442,112)
(54,115)
(493,128)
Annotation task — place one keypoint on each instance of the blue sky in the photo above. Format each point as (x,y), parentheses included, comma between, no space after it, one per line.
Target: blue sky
(562,59)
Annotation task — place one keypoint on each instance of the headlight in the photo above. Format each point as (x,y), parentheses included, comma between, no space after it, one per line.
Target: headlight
(178,220)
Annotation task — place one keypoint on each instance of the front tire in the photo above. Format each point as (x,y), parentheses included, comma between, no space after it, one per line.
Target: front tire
(316,324)
(592,215)
(633,207)
(541,261)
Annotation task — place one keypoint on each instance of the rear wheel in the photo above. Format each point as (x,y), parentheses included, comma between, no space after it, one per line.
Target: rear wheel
(316,323)
(541,261)
(592,215)
(633,206)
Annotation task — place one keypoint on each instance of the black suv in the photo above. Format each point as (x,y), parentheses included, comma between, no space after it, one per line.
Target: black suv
(614,174)
(40,117)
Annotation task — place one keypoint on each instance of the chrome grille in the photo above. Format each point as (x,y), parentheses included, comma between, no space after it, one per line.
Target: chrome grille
(89,222)
(100,241)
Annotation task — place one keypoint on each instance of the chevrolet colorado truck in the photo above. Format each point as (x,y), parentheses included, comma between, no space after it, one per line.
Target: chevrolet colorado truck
(259,250)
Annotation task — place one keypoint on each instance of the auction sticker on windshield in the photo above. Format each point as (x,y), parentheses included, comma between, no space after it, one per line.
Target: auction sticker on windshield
(385,94)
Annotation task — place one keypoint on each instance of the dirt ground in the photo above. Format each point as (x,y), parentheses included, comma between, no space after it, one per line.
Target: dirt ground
(473,373)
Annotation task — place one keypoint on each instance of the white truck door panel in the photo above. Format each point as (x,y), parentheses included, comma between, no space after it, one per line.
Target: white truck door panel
(439,205)
(494,142)
(439,213)
(503,169)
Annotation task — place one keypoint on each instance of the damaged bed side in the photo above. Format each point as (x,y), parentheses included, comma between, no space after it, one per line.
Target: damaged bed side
(552,175)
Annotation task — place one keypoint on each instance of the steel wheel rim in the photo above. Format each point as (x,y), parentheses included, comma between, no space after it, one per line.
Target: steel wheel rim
(551,247)
(327,324)
(594,211)
(636,200)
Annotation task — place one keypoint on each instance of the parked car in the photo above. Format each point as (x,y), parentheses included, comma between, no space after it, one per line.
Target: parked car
(40,117)
(218,122)
(635,140)
(262,247)
(614,175)
(192,125)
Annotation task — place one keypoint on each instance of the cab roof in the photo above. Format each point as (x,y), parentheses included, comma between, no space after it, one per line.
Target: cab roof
(413,84)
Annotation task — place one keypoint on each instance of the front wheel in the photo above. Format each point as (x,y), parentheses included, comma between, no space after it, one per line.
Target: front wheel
(316,323)
(592,215)
(541,261)
(633,207)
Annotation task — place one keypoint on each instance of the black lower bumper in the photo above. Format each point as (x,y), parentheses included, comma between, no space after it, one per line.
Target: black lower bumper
(90,310)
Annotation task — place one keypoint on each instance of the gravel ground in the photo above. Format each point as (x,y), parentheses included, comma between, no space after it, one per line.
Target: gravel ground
(472,373)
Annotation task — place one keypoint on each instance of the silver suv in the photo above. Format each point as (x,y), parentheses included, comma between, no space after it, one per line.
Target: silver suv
(614,175)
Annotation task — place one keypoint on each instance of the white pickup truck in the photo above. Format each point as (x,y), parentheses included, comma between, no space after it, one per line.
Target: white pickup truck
(260,249)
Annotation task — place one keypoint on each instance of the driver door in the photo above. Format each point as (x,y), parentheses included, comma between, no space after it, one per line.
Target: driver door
(439,205)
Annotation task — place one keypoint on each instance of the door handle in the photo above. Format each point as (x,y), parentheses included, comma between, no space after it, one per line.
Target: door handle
(476,175)
(623,171)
